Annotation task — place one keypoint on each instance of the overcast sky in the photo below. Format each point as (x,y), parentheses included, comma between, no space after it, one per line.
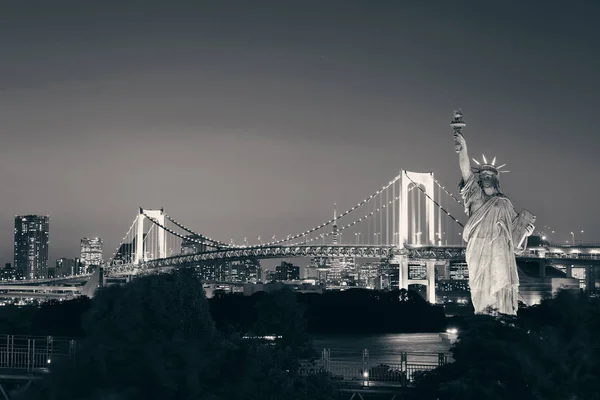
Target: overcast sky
(251,118)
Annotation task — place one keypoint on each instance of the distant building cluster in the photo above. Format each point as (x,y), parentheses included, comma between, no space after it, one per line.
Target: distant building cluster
(31,245)
(31,249)
(243,271)
(284,272)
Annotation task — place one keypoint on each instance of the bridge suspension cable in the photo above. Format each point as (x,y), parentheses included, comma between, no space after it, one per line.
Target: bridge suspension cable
(186,238)
(447,192)
(434,202)
(349,225)
(323,225)
(123,240)
(206,238)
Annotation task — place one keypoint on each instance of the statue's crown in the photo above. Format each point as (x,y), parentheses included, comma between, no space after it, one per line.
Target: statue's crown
(485,166)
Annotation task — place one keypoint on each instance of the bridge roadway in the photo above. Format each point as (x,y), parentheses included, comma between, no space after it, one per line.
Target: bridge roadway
(572,255)
(266,252)
(554,254)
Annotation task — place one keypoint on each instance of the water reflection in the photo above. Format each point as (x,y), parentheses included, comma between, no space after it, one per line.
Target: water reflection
(383,348)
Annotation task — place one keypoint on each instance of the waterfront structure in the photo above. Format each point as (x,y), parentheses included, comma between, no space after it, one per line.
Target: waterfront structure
(31,241)
(91,253)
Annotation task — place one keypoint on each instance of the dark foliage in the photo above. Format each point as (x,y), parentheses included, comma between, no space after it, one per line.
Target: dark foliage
(154,338)
(52,318)
(338,312)
(549,351)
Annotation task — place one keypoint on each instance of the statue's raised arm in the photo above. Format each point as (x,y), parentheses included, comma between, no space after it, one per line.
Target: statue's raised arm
(460,145)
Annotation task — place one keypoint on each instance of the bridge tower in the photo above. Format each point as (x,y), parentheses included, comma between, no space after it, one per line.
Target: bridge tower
(424,179)
(158,216)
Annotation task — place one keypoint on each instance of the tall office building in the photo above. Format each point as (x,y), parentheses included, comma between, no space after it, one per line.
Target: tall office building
(31,246)
(91,253)
(335,270)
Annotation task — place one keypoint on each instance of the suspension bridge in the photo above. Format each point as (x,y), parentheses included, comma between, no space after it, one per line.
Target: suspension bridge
(408,222)
(406,218)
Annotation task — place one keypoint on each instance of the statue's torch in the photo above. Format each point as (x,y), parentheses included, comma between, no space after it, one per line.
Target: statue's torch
(457,124)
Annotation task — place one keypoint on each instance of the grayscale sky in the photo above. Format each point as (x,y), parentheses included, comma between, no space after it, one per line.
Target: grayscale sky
(251,118)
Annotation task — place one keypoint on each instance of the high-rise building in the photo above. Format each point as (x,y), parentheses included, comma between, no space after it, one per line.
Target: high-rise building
(31,246)
(458,270)
(66,267)
(246,271)
(91,253)
(286,272)
(335,271)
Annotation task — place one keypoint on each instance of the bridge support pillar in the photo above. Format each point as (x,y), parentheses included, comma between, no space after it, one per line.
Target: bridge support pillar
(158,216)
(431,281)
(542,268)
(590,279)
(402,262)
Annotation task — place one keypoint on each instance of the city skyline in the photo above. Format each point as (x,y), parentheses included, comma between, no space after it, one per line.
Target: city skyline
(252,121)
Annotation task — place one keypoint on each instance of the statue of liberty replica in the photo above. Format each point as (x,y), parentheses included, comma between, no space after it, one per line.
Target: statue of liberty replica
(494,232)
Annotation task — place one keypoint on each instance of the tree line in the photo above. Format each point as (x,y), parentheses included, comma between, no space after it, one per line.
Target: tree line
(350,311)
(159,337)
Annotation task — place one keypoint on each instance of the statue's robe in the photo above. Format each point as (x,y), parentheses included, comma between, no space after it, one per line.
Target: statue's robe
(493,277)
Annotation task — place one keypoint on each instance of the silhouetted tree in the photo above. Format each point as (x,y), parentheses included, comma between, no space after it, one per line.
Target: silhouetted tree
(61,318)
(550,351)
(154,338)
(51,318)
(281,315)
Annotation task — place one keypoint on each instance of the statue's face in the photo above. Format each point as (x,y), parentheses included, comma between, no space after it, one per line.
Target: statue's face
(488,179)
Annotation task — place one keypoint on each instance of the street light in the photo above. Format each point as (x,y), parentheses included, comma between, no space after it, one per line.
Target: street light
(573,238)
(582,237)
